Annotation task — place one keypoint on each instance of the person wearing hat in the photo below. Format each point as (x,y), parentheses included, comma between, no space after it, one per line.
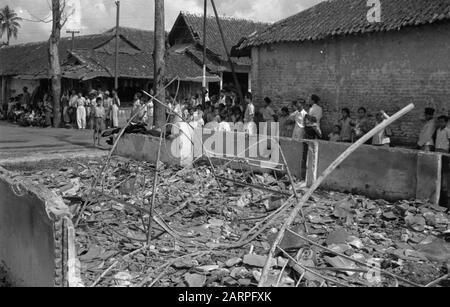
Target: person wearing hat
(426,142)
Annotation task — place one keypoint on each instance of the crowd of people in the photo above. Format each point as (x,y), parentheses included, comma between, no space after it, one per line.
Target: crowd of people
(99,110)
(21,110)
(435,134)
(301,120)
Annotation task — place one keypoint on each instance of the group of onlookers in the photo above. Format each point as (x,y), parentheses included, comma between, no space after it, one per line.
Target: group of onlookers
(22,111)
(226,113)
(99,110)
(435,134)
(79,109)
(301,120)
(349,130)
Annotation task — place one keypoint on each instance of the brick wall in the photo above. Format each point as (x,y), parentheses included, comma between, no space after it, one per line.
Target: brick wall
(377,70)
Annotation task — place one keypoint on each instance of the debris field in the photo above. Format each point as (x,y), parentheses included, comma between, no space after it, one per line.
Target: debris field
(205,230)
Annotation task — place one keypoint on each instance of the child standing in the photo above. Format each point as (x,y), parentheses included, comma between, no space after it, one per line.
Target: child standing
(346,124)
(224,126)
(382,138)
(267,112)
(99,121)
(335,136)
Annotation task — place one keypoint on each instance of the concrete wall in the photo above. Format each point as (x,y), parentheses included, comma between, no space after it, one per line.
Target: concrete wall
(384,173)
(380,71)
(380,173)
(145,148)
(34,227)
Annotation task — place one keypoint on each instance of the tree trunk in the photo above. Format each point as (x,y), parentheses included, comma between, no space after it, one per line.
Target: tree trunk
(55,65)
(159,73)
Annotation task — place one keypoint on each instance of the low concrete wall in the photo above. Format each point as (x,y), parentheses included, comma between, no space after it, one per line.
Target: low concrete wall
(145,148)
(36,235)
(378,172)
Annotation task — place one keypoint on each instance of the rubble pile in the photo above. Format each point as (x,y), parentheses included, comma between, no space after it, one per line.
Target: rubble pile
(198,218)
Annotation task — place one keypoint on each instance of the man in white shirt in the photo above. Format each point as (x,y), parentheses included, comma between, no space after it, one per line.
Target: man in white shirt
(81,112)
(250,110)
(249,117)
(298,118)
(316,111)
(426,141)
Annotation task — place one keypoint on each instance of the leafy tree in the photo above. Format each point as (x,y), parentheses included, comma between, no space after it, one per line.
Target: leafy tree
(9,23)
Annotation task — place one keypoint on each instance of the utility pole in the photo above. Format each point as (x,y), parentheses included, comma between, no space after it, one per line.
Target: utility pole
(54,61)
(159,64)
(116,64)
(205,12)
(222,35)
(73,32)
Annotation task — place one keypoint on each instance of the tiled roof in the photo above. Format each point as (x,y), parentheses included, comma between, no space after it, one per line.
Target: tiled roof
(342,17)
(101,64)
(93,64)
(32,58)
(234,30)
(94,57)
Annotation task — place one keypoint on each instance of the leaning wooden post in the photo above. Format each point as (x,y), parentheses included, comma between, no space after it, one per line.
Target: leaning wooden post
(155,188)
(319,181)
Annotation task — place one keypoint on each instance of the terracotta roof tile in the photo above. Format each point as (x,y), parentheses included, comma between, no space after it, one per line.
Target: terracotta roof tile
(344,17)
(234,30)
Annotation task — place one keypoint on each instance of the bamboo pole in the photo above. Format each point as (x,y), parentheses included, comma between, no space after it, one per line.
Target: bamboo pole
(155,187)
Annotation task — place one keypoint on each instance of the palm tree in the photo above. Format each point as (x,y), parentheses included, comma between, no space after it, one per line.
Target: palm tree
(9,23)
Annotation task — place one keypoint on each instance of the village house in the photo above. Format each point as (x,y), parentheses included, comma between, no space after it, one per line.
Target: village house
(334,51)
(186,37)
(91,64)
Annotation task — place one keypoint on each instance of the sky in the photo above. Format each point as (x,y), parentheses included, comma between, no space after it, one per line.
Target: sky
(96,16)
